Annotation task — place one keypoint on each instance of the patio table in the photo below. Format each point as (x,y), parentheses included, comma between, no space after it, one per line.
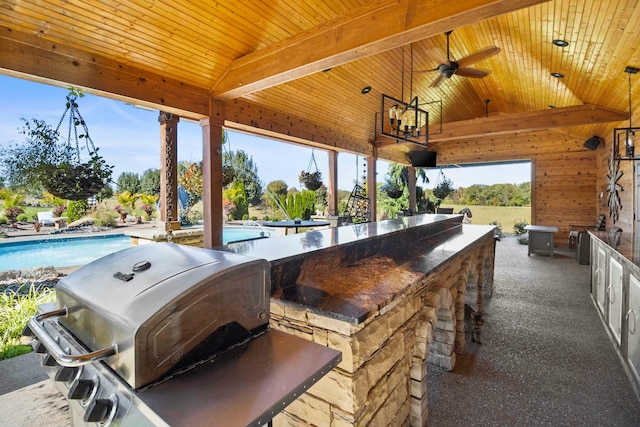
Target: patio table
(541,238)
(296,224)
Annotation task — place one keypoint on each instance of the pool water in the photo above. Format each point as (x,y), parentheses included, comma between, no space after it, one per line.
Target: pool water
(61,252)
(73,251)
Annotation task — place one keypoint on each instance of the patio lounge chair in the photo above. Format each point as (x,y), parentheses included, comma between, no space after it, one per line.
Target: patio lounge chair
(46,218)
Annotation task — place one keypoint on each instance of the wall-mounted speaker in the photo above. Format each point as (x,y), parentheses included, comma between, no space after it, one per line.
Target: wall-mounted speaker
(592,143)
(423,159)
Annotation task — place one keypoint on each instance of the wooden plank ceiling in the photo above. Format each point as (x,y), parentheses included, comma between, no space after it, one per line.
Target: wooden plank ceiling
(269,57)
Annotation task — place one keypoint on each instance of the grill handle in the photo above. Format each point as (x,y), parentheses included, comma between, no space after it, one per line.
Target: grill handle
(56,351)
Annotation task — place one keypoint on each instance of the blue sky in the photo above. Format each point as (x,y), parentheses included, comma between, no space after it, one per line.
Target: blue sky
(129,139)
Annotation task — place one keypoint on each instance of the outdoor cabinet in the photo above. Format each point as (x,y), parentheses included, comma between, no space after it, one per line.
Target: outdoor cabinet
(615,297)
(615,289)
(633,325)
(600,279)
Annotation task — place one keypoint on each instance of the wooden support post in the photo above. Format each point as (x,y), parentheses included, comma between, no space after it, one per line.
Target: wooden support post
(412,189)
(371,184)
(333,183)
(212,181)
(169,170)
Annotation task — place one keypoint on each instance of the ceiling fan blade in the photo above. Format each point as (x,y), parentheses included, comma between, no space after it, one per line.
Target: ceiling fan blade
(438,55)
(481,55)
(424,71)
(472,72)
(438,81)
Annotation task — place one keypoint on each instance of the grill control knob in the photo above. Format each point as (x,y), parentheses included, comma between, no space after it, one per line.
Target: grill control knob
(66,373)
(98,411)
(81,389)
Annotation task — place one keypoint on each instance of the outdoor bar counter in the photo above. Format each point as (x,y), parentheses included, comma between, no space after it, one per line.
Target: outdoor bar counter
(615,290)
(390,296)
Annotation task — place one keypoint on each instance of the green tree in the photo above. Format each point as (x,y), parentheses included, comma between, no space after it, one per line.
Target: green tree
(275,190)
(150,182)
(191,180)
(46,161)
(20,163)
(299,204)
(245,171)
(128,181)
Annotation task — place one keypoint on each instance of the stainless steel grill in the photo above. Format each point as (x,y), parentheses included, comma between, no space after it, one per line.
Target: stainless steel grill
(146,312)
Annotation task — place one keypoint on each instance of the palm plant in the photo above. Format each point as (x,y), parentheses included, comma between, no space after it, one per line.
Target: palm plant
(12,203)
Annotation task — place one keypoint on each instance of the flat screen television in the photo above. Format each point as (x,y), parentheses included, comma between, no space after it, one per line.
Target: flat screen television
(423,159)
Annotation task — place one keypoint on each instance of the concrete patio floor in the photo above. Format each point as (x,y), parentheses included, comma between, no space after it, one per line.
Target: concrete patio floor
(546,359)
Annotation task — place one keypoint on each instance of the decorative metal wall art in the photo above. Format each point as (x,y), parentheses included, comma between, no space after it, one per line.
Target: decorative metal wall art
(613,188)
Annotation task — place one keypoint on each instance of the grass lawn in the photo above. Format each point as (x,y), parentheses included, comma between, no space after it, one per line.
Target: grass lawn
(506,216)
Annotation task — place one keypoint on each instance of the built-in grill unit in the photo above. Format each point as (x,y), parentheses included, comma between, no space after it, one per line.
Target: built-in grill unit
(137,337)
(171,335)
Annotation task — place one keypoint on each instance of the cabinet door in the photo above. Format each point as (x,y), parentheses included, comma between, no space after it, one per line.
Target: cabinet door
(600,279)
(614,295)
(633,327)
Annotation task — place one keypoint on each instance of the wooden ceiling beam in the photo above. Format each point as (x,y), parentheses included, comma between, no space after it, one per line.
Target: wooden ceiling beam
(33,58)
(355,35)
(504,124)
(248,117)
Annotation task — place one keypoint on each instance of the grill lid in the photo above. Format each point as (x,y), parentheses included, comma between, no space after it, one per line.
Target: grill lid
(160,302)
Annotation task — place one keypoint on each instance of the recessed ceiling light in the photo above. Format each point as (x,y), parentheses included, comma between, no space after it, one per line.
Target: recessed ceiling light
(558,75)
(561,43)
(552,106)
(365,90)
(326,70)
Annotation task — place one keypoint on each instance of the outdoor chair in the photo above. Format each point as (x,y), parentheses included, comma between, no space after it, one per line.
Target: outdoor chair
(576,229)
(46,218)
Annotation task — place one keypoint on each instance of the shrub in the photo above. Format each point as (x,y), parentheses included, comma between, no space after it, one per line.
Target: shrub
(498,231)
(23,218)
(254,218)
(15,311)
(245,217)
(77,209)
(3,220)
(58,210)
(521,234)
(190,218)
(104,218)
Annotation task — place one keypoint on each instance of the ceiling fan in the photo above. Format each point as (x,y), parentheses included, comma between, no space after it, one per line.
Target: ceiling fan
(448,68)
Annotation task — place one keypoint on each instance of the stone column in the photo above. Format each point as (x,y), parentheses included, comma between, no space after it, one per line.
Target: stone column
(169,171)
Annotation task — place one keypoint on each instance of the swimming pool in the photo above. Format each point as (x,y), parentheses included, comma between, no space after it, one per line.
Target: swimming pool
(60,252)
(72,251)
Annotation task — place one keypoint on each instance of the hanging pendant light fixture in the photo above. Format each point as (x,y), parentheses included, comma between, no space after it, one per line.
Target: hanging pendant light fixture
(404,122)
(626,136)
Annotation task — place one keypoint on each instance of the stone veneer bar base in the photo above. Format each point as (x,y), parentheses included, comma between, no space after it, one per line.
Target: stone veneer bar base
(381,380)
